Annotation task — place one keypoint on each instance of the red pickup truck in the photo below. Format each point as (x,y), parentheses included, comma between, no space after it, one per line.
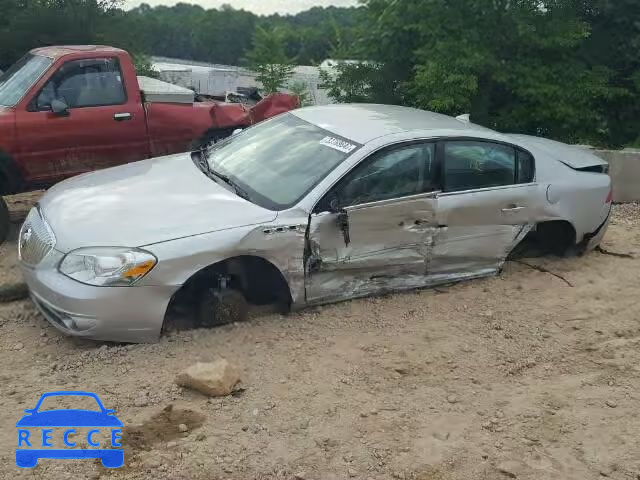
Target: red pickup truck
(72,109)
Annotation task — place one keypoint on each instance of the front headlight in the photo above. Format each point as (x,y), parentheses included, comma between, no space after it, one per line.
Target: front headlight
(107,266)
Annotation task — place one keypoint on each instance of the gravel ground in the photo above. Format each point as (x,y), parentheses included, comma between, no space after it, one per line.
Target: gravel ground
(519,376)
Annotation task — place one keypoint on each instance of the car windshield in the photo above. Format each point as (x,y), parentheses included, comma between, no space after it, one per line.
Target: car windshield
(21,76)
(279,161)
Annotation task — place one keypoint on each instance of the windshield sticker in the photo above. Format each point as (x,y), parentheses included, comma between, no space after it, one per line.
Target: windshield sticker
(338,144)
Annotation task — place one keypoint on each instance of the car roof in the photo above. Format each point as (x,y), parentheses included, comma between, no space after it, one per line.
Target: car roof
(363,123)
(65,50)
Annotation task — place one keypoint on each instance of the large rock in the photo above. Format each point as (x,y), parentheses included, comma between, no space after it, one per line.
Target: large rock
(216,379)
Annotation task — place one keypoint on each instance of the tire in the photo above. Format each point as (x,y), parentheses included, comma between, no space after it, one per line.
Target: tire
(10,177)
(5,221)
(221,307)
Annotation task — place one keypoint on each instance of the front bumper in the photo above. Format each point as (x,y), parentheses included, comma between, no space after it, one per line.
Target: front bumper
(120,314)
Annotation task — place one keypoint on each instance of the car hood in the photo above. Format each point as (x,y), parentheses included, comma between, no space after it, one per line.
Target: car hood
(69,418)
(145,202)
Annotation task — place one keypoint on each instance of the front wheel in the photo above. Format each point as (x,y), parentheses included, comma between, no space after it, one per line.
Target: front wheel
(5,221)
(221,306)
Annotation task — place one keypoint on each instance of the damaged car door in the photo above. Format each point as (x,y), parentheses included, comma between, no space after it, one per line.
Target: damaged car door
(372,231)
(488,203)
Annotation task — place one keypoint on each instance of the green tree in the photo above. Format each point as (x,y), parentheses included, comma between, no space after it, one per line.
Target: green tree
(143,66)
(301,90)
(269,61)
(525,66)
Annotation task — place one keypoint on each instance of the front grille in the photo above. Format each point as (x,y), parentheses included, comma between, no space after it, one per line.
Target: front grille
(36,239)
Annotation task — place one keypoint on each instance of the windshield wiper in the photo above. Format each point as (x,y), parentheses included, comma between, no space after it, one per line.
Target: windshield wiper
(236,188)
(203,164)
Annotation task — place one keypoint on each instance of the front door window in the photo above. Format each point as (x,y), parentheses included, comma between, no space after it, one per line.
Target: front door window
(84,83)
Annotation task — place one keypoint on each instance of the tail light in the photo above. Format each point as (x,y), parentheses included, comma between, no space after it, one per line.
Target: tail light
(610,196)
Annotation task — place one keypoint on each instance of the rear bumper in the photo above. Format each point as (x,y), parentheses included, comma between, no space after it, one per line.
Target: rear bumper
(120,314)
(592,240)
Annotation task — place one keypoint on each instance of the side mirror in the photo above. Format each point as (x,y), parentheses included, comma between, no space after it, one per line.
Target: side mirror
(236,131)
(59,107)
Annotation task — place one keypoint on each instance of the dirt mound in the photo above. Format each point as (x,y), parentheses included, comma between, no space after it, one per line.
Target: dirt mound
(161,427)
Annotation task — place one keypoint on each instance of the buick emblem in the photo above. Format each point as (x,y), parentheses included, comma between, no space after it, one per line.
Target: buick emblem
(26,236)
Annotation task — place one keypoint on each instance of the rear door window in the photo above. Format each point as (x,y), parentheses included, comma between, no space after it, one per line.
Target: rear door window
(470,165)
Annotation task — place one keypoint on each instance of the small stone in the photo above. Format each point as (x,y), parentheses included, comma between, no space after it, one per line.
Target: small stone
(443,437)
(352,473)
(217,379)
(172,444)
(18,346)
(200,437)
(611,404)
(183,428)
(300,476)
(364,414)
(255,412)
(452,399)
(373,412)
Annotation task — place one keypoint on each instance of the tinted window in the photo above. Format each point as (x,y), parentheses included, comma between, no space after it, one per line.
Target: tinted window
(469,165)
(85,83)
(526,167)
(390,174)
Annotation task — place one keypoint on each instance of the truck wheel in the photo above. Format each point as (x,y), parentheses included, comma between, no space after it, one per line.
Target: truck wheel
(10,177)
(4,220)
(219,307)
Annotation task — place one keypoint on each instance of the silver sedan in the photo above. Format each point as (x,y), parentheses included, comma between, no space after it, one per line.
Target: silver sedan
(317,205)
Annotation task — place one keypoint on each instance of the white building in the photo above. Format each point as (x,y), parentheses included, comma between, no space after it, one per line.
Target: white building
(217,80)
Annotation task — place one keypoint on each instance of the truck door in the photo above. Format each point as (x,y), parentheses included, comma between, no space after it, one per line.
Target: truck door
(82,119)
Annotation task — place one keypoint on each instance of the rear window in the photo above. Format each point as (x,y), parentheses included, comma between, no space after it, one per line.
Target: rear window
(526,167)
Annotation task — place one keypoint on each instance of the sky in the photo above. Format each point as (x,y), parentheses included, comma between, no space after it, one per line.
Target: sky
(263,7)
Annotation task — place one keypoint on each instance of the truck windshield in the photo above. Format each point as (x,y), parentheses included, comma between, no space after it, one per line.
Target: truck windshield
(20,77)
(279,161)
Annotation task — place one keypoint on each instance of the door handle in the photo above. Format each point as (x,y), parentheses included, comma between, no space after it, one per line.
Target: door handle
(120,117)
(513,208)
